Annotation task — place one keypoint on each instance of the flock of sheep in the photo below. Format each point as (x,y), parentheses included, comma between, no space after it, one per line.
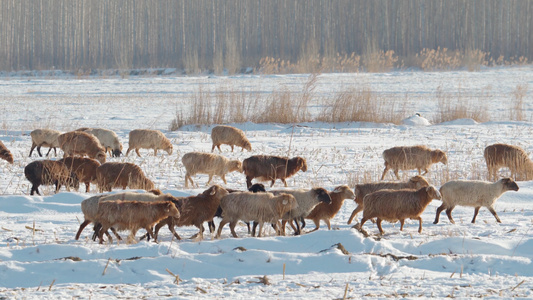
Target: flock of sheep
(389,201)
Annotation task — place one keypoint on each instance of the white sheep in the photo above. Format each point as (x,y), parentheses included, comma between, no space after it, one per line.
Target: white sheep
(473,193)
(361,190)
(46,138)
(208,163)
(512,157)
(411,157)
(394,205)
(307,200)
(148,139)
(107,138)
(229,135)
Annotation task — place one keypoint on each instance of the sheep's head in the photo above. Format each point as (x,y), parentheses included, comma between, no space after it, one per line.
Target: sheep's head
(257,188)
(235,166)
(432,192)
(246,145)
(5,154)
(346,192)
(117,153)
(168,148)
(216,191)
(172,210)
(439,156)
(301,163)
(322,195)
(418,182)
(156,192)
(509,184)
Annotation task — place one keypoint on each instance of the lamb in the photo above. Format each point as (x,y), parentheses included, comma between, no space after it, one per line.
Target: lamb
(512,157)
(84,168)
(325,211)
(394,205)
(195,210)
(44,137)
(48,172)
(473,193)
(257,207)
(361,190)
(266,167)
(89,206)
(208,163)
(5,153)
(133,215)
(115,174)
(82,143)
(307,200)
(148,139)
(107,138)
(231,136)
(414,157)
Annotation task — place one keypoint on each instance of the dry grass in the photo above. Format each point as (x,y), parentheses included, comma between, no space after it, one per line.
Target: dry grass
(517,107)
(456,106)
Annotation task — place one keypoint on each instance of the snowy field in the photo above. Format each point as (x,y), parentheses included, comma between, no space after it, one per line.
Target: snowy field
(40,258)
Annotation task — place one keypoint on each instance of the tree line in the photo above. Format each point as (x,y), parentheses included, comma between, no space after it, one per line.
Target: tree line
(211,35)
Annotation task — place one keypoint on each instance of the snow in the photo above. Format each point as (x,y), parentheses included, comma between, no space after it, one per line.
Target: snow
(464,260)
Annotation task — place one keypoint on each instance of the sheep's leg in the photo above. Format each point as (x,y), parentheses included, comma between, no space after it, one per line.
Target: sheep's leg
(439,210)
(402,221)
(272,184)
(328,223)
(378,223)
(385,171)
(219,150)
(284,181)
(294,228)
(55,152)
(209,180)
(248,181)
(115,233)
(425,172)
(82,226)
(87,187)
(211,225)
(171,226)
(220,226)
(363,220)
(317,225)
(254,227)
(396,173)
(491,209)
(150,232)
(476,211)
(128,151)
(302,219)
(101,235)
(137,151)
(355,212)
(260,229)
(232,228)
(282,229)
(213,148)
(224,179)
(39,151)
(33,145)
(232,148)
(248,226)
(419,224)
(34,189)
(449,214)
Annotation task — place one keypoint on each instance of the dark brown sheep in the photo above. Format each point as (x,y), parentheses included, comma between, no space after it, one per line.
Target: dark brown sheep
(84,168)
(266,167)
(48,172)
(195,210)
(115,174)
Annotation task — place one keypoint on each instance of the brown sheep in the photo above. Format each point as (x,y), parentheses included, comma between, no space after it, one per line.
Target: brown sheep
(361,190)
(208,163)
(108,139)
(266,167)
(195,210)
(132,215)
(116,174)
(325,211)
(84,168)
(48,172)
(44,137)
(413,157)
(473,193)
(5,154)
(512,157)
(394,205)
(231,136)
(257,207)
(81,143)
(148,139)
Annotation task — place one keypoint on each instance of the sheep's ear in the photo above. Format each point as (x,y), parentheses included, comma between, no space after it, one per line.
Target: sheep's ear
(213,191)
(285,201)
(338,189)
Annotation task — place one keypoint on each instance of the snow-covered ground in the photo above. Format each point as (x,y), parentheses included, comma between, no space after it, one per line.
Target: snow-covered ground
(485,259)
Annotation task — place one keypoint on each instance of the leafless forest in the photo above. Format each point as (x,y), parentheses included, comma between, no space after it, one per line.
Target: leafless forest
(211,35)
